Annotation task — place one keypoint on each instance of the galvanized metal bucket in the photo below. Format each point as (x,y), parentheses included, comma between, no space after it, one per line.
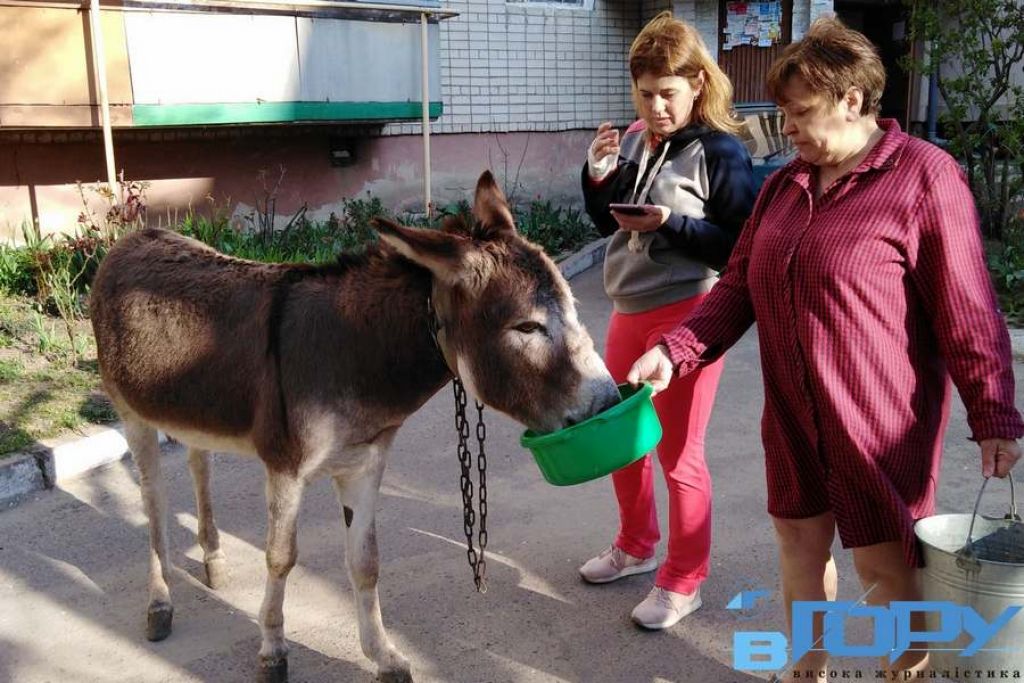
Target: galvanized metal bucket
(976,561)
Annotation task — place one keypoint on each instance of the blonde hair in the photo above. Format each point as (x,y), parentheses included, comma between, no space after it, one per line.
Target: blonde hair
(667,46)
(831,58)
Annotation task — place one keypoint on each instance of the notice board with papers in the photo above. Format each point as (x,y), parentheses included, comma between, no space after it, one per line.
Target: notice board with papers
(757,24)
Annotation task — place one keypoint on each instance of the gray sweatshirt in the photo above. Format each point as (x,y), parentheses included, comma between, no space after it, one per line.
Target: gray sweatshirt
(705,179)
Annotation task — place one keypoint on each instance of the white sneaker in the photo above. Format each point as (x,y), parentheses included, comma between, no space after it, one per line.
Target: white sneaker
(614,563)
(662,608)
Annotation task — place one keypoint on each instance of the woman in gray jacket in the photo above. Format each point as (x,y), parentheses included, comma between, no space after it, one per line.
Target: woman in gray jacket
(689,186)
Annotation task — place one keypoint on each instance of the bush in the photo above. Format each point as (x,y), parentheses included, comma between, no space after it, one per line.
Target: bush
(16,270)
(557,229)
(1006,263)
(975,48)
(58,270)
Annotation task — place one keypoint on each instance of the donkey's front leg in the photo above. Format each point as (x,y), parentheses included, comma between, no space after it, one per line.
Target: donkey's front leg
(358,498)
(284,495)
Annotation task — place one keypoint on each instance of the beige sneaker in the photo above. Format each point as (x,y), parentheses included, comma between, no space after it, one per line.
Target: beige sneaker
(614,563)
(662,608)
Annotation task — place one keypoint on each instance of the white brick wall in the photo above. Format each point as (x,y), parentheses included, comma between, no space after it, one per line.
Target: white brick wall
(518,67)
(649,8)
(524,67)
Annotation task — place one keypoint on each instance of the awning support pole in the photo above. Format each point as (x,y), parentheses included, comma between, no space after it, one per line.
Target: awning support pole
(425,59)
(99,59)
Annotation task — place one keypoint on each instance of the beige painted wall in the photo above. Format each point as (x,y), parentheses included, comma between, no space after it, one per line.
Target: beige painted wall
(46,70)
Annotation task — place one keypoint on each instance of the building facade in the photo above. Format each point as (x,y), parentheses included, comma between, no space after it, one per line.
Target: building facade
(220,104)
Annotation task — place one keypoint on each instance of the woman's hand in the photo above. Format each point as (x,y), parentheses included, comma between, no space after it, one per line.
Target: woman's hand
(654,217)
(606,143)
(998,456)
(653,367)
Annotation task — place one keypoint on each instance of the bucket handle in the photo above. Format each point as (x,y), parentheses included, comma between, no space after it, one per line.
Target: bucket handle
(965,557)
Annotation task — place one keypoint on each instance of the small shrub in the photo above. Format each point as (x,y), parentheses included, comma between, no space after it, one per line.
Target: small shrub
(1006,263)
(555,228)
(355,222)
(126,208)
(16,271)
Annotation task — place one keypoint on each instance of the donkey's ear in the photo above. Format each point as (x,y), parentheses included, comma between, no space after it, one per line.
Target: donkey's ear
(491,208)
(443,254)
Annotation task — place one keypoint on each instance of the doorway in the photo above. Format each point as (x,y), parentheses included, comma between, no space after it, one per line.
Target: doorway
(884,22)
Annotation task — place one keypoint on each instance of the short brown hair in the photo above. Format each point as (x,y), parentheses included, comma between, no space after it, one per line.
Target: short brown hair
(667,46)
(831,58)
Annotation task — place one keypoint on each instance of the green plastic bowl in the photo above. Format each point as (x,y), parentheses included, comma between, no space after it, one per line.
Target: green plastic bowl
(600,444)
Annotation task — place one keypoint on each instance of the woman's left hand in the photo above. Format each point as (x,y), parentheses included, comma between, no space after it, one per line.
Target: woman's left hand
(654,367)
(654,217)
(998,456)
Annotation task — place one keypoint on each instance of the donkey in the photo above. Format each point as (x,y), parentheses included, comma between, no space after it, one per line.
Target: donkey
(314,368)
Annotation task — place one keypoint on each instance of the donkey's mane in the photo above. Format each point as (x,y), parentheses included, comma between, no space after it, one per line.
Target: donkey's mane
(345,262)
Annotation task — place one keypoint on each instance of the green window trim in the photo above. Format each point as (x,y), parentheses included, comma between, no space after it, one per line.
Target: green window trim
(278,112)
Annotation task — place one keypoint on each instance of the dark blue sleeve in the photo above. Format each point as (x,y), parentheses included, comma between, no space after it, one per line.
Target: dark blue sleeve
(730,200)
(597,196)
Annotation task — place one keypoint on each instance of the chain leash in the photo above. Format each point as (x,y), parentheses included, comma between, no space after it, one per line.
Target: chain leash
(469,516)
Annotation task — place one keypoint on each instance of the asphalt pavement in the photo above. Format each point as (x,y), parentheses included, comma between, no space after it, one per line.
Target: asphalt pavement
(73,564)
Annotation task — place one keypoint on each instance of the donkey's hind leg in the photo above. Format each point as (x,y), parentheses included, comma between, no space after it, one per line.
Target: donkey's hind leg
(358,497)
(142,440)
(213,557)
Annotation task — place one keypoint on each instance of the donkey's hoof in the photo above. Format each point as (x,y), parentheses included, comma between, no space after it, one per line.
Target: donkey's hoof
(217,573)
(158,621)
(273,670)
(395,676)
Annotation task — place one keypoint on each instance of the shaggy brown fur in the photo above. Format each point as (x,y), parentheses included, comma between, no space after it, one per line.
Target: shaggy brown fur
(313,369)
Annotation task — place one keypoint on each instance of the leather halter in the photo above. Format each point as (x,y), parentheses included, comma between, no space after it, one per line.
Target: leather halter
(436,310)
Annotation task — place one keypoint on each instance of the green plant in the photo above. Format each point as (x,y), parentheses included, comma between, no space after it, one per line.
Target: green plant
(46,337)
(10,370)
(1006,263)
(354,226)
(555,228)
(16,270)
(974,49)
(62,278)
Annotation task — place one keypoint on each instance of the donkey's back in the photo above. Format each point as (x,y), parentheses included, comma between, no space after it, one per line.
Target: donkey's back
(176,327)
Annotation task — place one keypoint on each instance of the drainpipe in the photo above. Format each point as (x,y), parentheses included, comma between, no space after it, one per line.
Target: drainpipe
(99,59)
(933,107)
(425,59)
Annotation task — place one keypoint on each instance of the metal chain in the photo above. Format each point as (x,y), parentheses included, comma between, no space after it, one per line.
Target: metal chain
(476,560)
(481,462)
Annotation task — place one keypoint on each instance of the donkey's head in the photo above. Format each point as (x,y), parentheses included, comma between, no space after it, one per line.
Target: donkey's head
(507,321)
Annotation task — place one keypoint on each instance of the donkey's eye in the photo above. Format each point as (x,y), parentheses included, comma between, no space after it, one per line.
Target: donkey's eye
(530,327)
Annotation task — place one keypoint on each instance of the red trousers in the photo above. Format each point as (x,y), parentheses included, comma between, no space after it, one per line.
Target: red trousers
(684,410)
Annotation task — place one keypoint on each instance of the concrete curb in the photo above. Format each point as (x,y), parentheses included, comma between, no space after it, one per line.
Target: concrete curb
(20,475)
(57,460)
(585,258)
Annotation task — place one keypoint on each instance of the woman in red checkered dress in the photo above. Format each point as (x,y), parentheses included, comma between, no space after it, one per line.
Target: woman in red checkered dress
(863,268)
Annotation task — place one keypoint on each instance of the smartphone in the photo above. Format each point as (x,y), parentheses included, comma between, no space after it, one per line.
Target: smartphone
(629,209)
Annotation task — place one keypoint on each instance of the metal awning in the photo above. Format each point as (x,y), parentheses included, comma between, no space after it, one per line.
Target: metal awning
(374,11)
